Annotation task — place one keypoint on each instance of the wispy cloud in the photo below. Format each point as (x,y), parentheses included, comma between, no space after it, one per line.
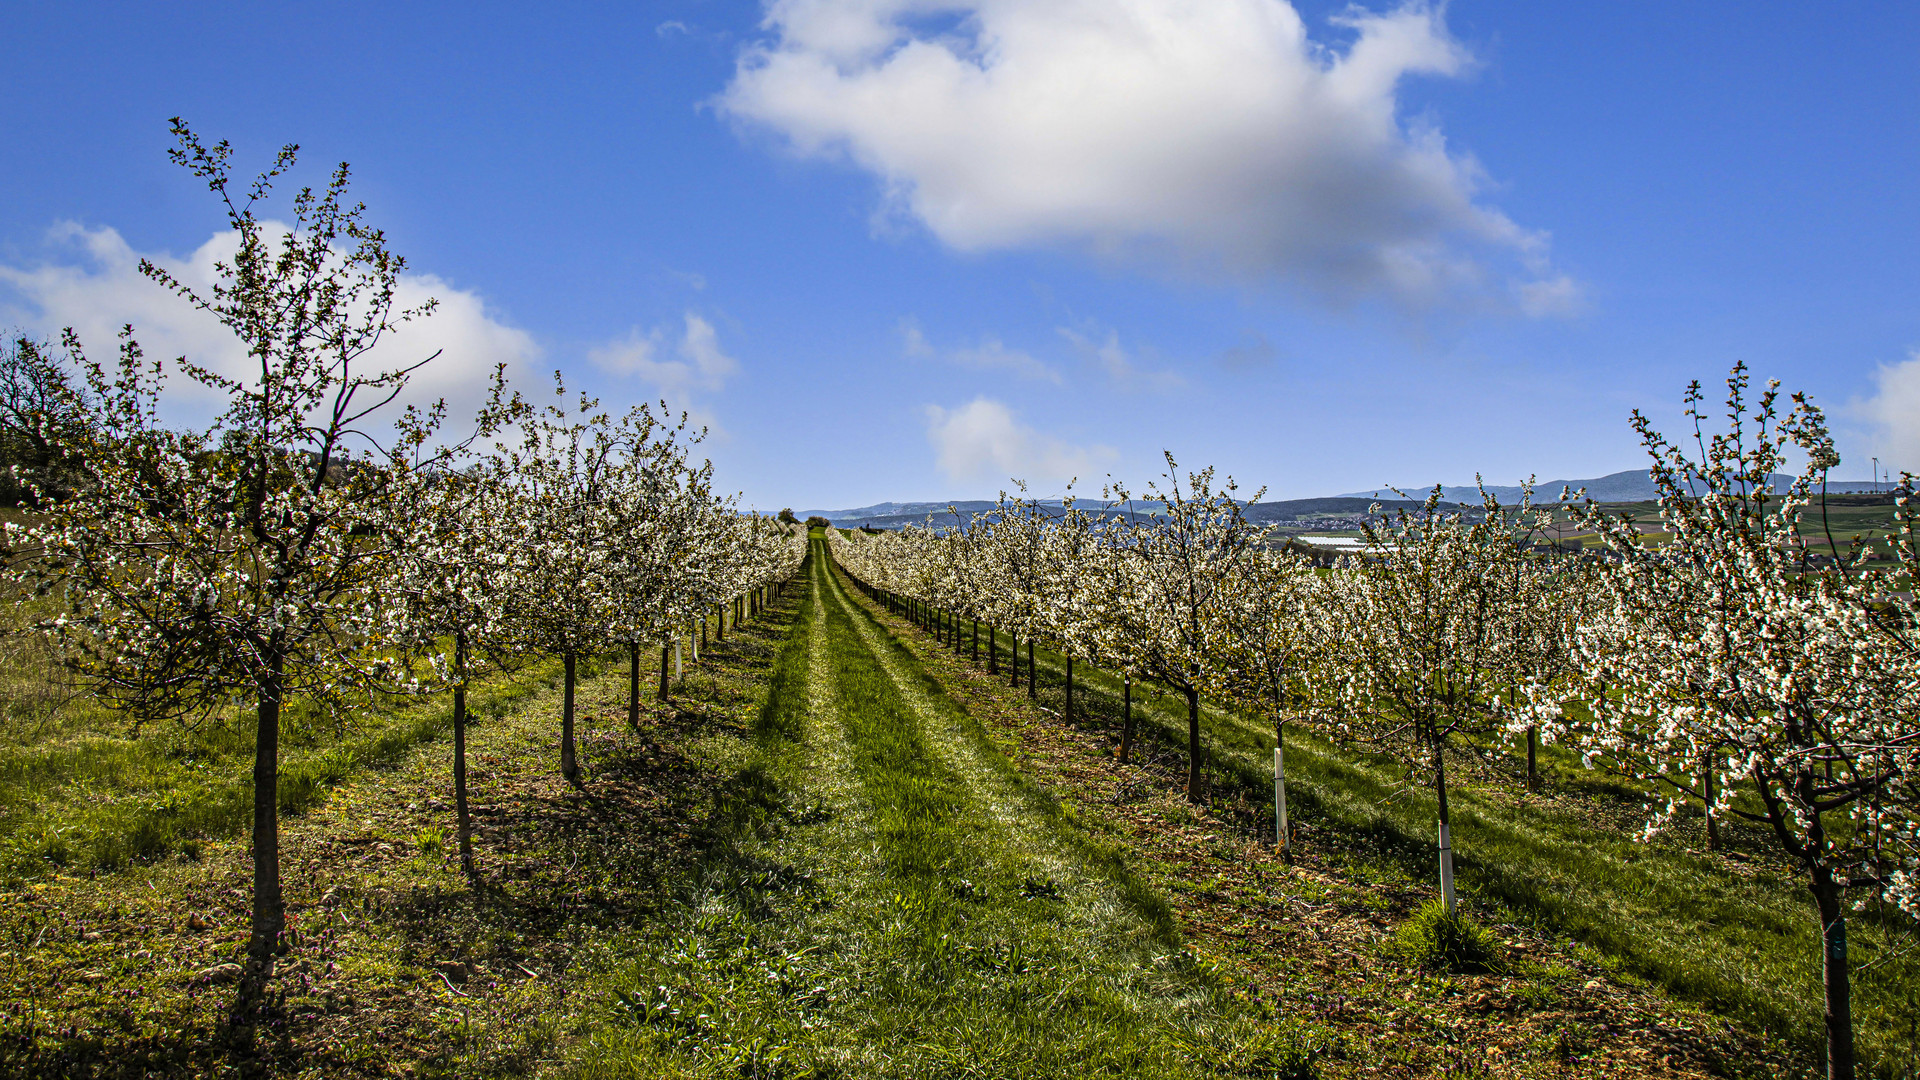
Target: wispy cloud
(991,354)
(1253,350)
(1115,362)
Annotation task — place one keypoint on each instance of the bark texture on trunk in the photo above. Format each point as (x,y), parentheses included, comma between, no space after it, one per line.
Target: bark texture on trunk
(1833,969)
(1126,720)
(463,822)
(1533,756)
(633,686)
(1710,797)
(569,768)
(269,910)
(663,672)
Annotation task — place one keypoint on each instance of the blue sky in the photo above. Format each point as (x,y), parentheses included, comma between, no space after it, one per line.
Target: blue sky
(895,249)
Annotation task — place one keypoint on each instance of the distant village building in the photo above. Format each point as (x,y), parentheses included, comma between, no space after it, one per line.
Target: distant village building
(1328,550)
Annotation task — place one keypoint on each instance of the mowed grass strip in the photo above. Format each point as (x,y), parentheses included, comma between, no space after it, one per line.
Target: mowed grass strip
(881,912)
(84,788)
(399,963)
(1735,934)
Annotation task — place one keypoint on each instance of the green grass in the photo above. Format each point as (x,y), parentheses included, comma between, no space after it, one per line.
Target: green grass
(83,789)
(892,899)
(1740,938)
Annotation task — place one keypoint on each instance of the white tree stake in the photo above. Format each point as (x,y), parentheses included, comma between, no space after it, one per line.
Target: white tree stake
(1281,839)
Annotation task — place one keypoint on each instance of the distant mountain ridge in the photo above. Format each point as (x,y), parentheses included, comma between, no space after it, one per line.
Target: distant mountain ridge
(1631,485)
(893,515)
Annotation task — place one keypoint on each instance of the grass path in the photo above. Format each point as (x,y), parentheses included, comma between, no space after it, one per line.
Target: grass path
(912,906)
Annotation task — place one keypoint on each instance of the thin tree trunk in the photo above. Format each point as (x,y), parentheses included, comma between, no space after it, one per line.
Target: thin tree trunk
(1833,966)
(633,685)
(1713,816)
(976,639)
(1533,753)
(1446,828)
(1032,691)
(1196,779)
(1069,687)
(569,768)
(993,651)
(1013,665)
(463,824)
(269,910)
(1126,719)
(663,671)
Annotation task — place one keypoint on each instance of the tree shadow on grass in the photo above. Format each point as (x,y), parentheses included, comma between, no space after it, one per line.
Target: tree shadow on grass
(560,869)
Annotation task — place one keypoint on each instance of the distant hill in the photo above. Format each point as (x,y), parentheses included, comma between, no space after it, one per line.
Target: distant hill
(893,515)
(1331,512)
(1632,485)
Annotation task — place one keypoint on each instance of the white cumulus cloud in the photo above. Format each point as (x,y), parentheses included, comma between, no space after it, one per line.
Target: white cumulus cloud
(1219,134)
(1894,415)
(983,440)
(698,363)
(100,288)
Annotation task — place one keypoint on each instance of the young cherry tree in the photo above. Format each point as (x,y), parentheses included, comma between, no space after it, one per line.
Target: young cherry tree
(1549,596)
(1727,657)
(1269,641)
(1011,569)
(1069,552)
(1111,628)
(41,409)
(1186,559)
(569,472)
(1421,617)
(454,585)
(666,541)
(244,559)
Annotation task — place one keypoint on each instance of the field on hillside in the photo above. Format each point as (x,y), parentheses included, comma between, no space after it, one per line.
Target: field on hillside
(844,849)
